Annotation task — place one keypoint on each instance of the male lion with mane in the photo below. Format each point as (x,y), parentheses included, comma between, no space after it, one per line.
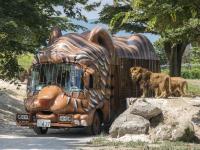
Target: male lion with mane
(158,82)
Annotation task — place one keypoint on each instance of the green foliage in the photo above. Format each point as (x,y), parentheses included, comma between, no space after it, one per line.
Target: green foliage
(114,15)
(195,55)
(25,60)
(175,21)
(160,52)
(191,73)
(25,27)
(188,72)
(9,67)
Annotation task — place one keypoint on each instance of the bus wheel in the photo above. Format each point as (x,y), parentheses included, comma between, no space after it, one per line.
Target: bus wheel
(95,128)
(40,130)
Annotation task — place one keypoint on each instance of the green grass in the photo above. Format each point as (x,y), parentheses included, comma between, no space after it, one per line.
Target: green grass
(25,60)
(193,87)
(165,71)
(103,142)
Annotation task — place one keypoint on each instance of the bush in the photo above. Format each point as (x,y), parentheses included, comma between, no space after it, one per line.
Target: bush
(191,73)
(187,72)
(25,60)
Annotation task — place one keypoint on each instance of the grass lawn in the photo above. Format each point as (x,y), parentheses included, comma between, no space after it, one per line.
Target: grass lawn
(193,87)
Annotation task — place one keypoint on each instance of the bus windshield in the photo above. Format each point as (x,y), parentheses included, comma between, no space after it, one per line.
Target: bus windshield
(67,76)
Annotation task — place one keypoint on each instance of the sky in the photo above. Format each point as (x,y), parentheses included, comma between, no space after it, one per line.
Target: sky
(93,15)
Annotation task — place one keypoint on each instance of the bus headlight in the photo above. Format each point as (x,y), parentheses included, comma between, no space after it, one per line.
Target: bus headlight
(84,123)
(76,122)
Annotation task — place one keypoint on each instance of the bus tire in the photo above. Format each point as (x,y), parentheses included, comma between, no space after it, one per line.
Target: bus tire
(95,128)
(40,130)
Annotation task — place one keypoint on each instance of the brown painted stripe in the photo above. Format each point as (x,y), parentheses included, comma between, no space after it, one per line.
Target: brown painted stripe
(75,105)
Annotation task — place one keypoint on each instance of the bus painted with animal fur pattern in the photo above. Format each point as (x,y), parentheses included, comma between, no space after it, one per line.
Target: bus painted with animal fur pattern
(83,80)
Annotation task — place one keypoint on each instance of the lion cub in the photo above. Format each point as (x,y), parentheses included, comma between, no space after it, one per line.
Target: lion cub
(158,82)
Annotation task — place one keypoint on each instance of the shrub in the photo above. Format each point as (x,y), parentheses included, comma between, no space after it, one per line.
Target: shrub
(187,72)
(191,73)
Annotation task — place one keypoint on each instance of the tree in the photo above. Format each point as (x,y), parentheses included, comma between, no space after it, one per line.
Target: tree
(195,55)
(176,21)
(25,27)
(159,49)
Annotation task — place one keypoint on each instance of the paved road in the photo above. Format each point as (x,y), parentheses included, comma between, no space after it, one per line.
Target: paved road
(12,137)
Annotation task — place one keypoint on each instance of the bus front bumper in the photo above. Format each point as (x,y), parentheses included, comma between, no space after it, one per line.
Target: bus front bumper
(54,120)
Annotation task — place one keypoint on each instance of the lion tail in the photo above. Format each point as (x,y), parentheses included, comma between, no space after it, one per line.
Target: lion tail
(185,87)
(169,85)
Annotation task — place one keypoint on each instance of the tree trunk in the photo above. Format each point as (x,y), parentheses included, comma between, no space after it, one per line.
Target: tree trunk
(174,54)
(173,68)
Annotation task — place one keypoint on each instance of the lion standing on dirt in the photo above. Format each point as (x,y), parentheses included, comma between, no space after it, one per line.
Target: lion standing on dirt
(158,82)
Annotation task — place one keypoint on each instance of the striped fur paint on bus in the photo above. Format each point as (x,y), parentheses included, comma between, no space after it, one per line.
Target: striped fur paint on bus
(96,50)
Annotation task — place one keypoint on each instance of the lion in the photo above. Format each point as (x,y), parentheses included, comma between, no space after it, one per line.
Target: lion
(158,82)
(178,86)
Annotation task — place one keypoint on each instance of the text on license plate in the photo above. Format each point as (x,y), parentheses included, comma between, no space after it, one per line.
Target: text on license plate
(43,123)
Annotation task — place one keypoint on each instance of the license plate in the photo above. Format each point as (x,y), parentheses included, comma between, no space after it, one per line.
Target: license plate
(65,118)
(43,123)
(22,116)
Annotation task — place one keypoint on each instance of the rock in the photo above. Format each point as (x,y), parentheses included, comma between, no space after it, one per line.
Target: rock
(196,122)
(177,121)
(134,138)
(170,119)
(145,109)
(181,131)
(184,131)
(161,133)
(196,119)
(128,123)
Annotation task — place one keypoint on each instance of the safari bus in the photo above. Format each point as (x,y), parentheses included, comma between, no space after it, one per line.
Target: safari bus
(83,80)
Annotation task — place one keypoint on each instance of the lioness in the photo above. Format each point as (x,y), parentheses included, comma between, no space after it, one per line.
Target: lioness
(178,86)
(158,82)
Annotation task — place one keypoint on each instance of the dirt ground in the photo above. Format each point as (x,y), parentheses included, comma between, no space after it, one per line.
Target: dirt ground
(11,102)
